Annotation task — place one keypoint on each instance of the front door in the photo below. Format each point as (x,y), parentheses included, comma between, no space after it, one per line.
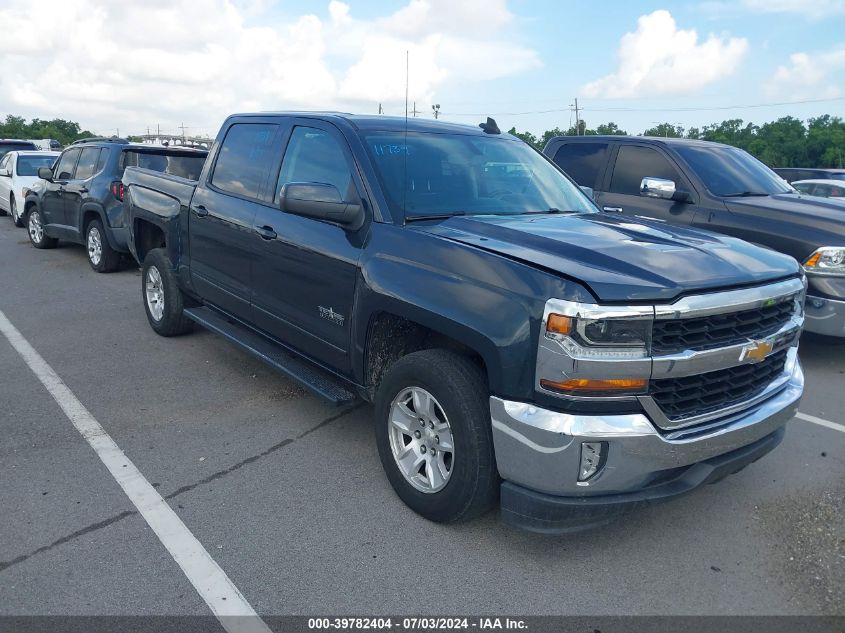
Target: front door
(221,229)
(76,189)
(53,198)
(622,193)
(304,277)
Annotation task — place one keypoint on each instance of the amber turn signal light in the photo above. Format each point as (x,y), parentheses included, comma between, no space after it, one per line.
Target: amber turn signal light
(586,385)
(559,324)
(814,259)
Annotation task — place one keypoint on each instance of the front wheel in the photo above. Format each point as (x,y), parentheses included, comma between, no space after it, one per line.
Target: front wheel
(16,218)
(163,299)
(434,435)
(35,227)
(102,257)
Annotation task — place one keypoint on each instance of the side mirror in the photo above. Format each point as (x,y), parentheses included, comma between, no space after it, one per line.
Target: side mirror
(663,189)
(320,201)
(588,191)
(45,173)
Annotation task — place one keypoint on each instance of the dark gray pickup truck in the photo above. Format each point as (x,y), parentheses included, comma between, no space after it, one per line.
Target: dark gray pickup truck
(719,188)
(517,343)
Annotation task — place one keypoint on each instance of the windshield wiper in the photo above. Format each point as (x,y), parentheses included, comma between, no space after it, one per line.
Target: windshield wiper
(434,216)
(745,194)
(554,210)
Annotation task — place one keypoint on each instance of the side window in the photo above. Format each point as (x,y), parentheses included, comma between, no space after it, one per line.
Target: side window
(314,155)
(101,161)
(67,161)
(634,162)
(582,161)
(87,165)
(244,158)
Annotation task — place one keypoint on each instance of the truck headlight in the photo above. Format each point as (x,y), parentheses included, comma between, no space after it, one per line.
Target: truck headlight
(827,260)
(600,338)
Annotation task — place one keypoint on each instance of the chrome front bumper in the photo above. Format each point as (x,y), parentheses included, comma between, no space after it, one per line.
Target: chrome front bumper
(824,316)
(540,450)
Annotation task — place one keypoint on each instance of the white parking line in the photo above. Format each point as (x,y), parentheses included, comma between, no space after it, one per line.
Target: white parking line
(821,422)
(211,582)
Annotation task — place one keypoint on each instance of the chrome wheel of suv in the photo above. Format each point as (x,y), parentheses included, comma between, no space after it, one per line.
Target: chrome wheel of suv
(421,440)
(95,245)
(154,293)
(36,230)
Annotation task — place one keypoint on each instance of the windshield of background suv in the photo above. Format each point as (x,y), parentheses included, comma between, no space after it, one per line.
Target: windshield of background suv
(457,174)
(728,171)
(28,165)
(5,148)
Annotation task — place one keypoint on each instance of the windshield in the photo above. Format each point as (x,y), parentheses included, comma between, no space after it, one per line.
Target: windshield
(728,171)
(462,174)
(28,165)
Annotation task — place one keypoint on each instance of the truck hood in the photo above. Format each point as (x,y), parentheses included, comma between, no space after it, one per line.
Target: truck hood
(620,259)
(821,213)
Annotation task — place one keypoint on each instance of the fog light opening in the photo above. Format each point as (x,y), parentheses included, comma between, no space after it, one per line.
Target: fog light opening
(593,457)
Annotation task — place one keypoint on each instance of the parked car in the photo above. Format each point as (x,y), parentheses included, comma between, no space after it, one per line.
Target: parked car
(517,344)
(18,172)
(13,145)
(47,144)
(821,188)
(791,174)
(81,199)
(720,188)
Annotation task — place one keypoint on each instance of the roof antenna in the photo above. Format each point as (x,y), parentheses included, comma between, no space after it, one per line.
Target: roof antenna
(405,142)
(490,127)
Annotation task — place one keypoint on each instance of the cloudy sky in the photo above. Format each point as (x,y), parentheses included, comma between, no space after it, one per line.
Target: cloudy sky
(131,65)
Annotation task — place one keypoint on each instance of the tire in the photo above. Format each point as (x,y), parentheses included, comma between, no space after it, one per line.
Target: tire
(460,393)
(162,297)
(13,206)
(35,229)
(102,257)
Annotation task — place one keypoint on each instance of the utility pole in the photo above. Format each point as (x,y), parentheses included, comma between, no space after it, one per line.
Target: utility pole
(436,110)
(380,110)
(183,133)
(577,118)
(415,112)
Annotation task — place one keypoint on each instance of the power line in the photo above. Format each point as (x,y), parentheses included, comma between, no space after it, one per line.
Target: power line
(704,109)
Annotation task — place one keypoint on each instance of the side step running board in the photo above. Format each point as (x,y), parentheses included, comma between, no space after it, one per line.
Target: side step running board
(312,378)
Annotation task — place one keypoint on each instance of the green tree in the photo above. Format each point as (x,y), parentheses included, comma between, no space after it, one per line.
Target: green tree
(666,130)
(610,128)
(528,137)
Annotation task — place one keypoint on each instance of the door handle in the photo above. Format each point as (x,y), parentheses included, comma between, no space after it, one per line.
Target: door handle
(266,232)
(612,209)
(83,190)
(200,210)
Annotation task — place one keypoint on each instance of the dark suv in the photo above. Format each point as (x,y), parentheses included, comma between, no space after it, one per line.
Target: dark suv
(81,198)
(720,188)
(791,174)
(15,145)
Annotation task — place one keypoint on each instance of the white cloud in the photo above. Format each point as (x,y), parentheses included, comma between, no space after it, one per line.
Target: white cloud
(808,8)
(809,76)
(660,59)
(110,63)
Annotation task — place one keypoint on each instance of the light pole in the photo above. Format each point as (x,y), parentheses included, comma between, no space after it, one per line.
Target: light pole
(436,110)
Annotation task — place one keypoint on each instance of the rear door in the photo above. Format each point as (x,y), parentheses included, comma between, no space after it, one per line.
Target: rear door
(221,231)
(621,189)
(304,277)
(7,164)
(52,200)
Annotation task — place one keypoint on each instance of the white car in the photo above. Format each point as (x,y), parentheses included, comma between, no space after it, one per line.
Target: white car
(18,172)
(821,187)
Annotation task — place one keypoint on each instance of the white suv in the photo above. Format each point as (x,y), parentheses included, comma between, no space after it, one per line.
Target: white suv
(18,172)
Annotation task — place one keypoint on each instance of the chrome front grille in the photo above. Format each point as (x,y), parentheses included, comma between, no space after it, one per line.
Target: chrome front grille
(698,395)
(720,330)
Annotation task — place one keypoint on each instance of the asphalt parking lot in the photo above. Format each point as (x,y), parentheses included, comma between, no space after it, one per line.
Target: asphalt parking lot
(288,495)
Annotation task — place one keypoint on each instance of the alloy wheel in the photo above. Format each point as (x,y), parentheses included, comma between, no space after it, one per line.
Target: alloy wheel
(95,245)
(36,230)
(154,292)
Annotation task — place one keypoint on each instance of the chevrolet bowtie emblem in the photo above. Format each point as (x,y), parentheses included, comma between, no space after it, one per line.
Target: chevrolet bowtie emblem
(756,351)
